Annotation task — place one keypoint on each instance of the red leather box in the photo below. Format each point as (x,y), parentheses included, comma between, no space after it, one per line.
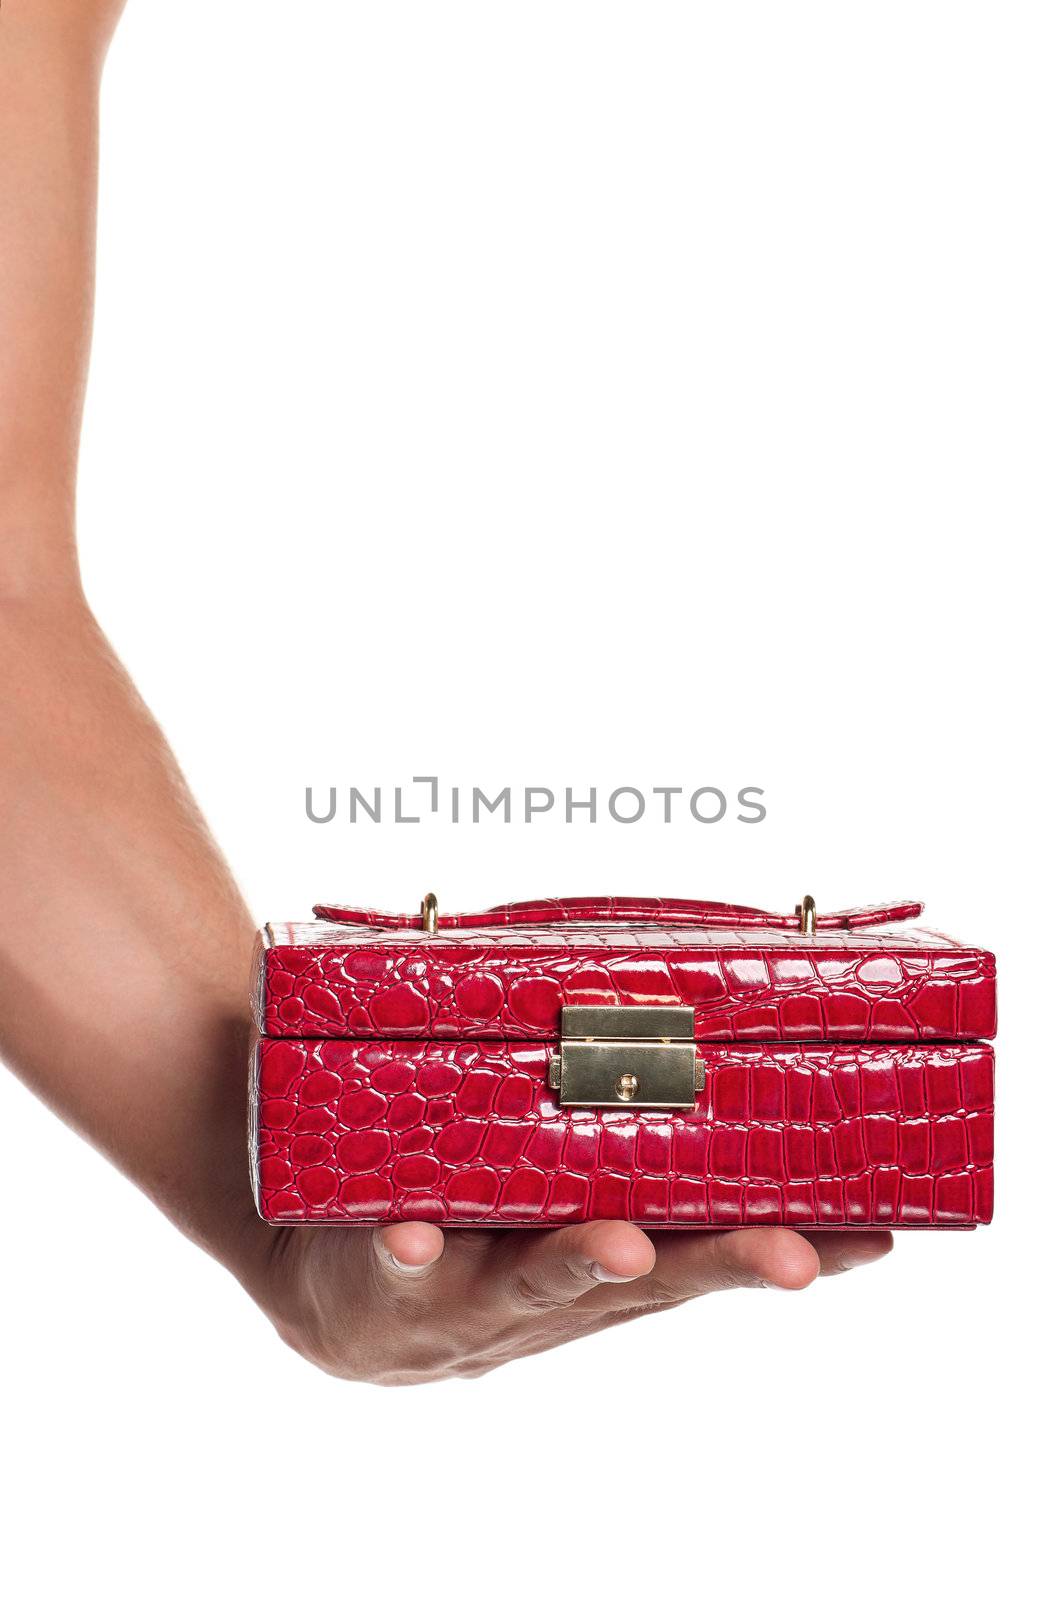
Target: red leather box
(678,1063)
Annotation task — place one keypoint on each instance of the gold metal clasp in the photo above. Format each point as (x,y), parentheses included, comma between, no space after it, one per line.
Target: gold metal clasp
(627,1055)
(429,913)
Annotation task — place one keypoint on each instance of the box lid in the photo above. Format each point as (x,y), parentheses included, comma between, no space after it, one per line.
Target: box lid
(868,973)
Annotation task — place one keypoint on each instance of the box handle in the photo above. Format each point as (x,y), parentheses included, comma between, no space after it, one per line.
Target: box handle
(621,908)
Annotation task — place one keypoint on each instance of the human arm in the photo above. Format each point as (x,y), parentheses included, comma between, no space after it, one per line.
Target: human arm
(125,945)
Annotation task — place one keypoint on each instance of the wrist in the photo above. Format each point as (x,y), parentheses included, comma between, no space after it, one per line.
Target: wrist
(200,1175)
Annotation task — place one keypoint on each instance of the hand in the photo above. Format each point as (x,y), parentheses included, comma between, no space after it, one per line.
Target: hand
(409,1304)
(123,971)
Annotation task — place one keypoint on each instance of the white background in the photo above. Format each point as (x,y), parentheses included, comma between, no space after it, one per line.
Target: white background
(577,393)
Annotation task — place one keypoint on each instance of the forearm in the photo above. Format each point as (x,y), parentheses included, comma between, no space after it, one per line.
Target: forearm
(51,57)
(125,946)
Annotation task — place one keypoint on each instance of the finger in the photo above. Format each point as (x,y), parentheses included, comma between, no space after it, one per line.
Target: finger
(774,1258)
(549,1271)
(842,1252)
(408,1248)
(699,1263)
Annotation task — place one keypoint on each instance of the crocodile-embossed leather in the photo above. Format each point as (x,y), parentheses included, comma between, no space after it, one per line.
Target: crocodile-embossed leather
(320,980)
(405,1074)
(621,908)
(461,1133)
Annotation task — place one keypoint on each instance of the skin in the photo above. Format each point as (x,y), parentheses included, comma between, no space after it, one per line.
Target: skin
(138,1036)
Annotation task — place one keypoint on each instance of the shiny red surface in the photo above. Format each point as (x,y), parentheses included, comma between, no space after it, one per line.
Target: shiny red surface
(624,908)
(809,1135)
(324,981)
(405,1074)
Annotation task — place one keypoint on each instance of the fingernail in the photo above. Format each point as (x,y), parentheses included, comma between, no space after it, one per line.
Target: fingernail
(603,1274)
(401,1266)
(860,1258)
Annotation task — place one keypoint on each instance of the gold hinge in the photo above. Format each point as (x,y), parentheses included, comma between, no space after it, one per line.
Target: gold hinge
(627,1055)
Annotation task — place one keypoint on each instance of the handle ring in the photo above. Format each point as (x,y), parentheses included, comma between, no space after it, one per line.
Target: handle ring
(429,913)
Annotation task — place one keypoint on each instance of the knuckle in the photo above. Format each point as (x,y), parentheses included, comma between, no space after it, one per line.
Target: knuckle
(730,1272)
(729,1277)
(661,1294)
(617,1319)
(560,1286)
(531,1296)
(405,1378)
